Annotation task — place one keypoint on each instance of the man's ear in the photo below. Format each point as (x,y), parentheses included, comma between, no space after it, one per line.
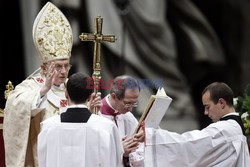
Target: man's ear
(113,96)
(66,95)
(43,67)
(88,99)
(222,102)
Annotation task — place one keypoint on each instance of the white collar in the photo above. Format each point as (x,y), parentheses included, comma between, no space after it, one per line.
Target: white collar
(60,87)
(77,106)
(107,100)
(232,113)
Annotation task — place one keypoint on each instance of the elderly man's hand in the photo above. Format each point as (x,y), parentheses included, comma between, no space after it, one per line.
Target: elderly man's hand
(95,101)
(140,136)
(129,145)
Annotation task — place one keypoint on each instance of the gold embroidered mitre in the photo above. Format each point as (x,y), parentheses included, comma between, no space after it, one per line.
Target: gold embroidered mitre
(52,34)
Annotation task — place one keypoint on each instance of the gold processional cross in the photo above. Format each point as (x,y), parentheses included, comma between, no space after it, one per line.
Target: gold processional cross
(97,38)
(9,88)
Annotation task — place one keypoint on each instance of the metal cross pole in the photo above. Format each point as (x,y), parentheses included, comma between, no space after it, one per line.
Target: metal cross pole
(97,37)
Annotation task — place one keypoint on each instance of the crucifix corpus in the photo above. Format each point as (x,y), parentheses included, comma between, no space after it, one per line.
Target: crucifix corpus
(97,37)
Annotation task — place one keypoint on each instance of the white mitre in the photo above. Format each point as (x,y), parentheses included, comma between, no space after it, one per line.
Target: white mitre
(52,34)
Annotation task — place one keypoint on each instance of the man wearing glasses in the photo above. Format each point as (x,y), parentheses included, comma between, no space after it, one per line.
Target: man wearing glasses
(117,106)
(42,94)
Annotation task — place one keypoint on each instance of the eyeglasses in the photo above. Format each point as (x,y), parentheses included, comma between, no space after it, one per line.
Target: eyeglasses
(129,105)
(59,67)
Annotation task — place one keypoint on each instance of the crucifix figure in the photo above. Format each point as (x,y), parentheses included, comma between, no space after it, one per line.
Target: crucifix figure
(97,37)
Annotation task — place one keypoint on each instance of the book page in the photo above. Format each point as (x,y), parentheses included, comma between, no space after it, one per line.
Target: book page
(161,92)
(155,110)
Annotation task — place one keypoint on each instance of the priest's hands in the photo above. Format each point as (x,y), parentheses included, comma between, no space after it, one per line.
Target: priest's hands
(129,145)
(140,136)
(95,101)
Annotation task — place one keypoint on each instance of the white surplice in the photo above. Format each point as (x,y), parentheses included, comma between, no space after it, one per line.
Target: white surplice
(221,144)
(96,143)
(24,110)
(126,124)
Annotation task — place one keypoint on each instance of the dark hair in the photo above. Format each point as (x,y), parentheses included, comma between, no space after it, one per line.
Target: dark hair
(77,88)
(219,90)
(121,83)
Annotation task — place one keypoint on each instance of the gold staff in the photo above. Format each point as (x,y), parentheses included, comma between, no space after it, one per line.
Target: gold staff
(97,38)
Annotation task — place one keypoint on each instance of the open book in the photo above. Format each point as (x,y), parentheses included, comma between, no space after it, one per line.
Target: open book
(155,110)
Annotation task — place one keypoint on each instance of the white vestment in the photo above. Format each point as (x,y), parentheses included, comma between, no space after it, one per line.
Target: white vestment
(91,144)
(126,124)
(221,144)
(24,111)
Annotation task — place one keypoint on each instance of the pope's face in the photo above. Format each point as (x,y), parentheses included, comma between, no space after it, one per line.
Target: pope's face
(212,110)
(62,68)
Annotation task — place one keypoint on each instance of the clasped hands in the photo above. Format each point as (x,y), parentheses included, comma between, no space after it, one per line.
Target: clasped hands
(132,143)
